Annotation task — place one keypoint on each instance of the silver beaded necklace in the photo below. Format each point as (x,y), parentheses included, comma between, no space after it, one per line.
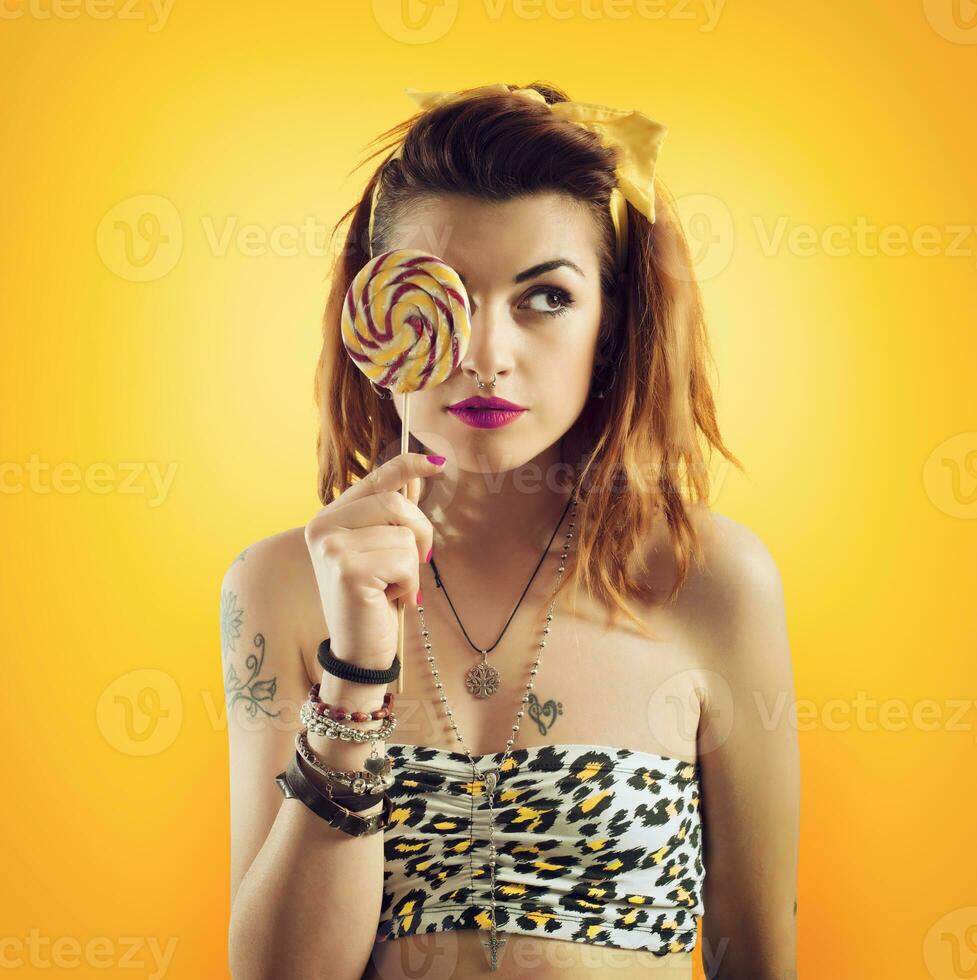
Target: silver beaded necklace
(483,679)
(491,776)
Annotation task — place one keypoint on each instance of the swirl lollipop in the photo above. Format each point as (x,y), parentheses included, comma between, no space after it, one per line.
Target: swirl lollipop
(406,324)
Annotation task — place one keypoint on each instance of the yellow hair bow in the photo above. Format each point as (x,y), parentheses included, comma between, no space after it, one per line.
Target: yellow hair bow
(636,138)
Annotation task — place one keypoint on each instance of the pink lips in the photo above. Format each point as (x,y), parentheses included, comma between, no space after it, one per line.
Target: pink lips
(486,413)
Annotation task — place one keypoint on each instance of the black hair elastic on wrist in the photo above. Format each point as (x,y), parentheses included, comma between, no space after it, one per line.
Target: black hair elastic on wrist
(352,672)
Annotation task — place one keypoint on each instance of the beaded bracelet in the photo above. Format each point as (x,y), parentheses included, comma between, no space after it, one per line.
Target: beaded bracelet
(377,778)
(338,713)
(324,725)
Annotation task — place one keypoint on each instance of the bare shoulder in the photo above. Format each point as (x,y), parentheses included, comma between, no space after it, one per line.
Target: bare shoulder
(735,563)
(731,560)
(275,574)
(275,562)
(733,589)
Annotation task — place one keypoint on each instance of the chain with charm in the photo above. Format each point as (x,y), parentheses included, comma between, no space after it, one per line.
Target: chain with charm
(495,941)
(483,680)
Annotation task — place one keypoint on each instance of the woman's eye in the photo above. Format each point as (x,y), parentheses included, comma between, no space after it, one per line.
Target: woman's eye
(550,296)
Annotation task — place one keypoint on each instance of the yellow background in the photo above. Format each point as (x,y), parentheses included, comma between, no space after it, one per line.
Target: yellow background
(846,386)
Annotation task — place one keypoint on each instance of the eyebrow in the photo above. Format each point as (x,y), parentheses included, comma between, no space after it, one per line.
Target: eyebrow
(538,270)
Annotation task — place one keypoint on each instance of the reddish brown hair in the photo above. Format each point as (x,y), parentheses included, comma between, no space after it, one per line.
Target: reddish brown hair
(638,453)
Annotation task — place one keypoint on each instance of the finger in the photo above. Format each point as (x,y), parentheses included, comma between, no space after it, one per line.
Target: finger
(392,571)
(414,489)
(393,475)
(385,510)
(381,537)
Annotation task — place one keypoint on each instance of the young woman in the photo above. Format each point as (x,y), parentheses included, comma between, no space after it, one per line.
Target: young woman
(578,774)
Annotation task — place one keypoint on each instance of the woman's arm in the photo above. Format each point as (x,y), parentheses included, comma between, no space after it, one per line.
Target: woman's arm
(305,897)
(748,749)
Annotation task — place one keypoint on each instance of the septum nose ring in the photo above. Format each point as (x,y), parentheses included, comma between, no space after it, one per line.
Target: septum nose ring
(481,384)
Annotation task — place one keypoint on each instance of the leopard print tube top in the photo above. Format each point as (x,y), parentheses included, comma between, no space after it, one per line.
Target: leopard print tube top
(593,844)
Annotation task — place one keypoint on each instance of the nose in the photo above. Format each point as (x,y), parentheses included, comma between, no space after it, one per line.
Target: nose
(490,348)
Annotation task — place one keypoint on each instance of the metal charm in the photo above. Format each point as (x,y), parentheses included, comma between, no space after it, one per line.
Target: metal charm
(483,679)
(491,779)
(493,944)
(378,765)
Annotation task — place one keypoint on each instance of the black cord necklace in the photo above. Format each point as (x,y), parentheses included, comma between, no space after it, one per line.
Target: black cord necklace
(483,679)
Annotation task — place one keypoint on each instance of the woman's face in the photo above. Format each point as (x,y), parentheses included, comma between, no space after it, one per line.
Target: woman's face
(531,270)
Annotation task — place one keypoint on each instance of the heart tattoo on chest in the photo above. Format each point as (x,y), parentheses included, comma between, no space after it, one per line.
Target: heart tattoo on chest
(543,714)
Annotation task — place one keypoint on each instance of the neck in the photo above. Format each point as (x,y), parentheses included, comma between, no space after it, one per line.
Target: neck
(494,516)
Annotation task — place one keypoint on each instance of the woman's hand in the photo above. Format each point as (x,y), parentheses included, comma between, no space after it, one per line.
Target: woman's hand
(366,547)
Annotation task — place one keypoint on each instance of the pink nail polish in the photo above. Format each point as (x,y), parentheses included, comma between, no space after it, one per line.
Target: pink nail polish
(437,460)
(430,551)
(419,597)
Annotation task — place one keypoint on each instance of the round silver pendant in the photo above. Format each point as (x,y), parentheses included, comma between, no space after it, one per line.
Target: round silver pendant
(482,680)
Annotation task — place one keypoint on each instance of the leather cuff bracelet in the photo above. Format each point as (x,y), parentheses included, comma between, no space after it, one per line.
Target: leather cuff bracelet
(295,785)
(348,801)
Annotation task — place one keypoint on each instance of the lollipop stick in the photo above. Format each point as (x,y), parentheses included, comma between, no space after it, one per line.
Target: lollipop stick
(401,605)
